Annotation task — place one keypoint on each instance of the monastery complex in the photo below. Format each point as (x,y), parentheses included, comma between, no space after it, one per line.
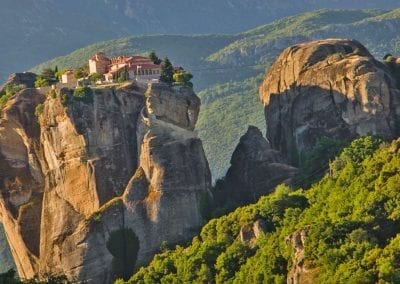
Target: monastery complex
(116,69)
(135,67)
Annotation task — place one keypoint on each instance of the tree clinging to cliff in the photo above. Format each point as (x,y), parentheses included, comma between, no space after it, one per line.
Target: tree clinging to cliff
(167,71)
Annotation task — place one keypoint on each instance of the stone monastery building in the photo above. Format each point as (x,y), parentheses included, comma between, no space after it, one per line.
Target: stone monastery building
(137,67)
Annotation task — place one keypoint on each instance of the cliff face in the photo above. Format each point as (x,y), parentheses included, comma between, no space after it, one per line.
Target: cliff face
(256,169)
(26,78)
(332,88)
(78,182)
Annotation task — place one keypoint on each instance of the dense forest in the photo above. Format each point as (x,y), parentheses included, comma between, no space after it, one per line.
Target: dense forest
(350,218)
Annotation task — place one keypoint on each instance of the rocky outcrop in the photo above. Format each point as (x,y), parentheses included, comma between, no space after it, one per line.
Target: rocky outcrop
(256,169)
(84,182)
(300,273)
(250,233)
(332,88)
(27,79)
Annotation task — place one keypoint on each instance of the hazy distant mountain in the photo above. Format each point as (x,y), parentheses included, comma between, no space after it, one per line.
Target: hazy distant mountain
(35,30)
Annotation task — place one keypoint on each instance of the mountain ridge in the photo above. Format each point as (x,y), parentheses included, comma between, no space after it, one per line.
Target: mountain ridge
(67,26)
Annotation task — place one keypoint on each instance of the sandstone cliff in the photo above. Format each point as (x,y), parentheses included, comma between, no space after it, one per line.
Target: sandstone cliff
(332,88)
(91,190)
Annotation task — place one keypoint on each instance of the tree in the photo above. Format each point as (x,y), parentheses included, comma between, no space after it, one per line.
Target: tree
(183,78)
(41,82)
(357,51)
(95,77)
(153,56)
(83,94)
(81,72)
(49,75)
(167,71)
(78,73)
(59,73)
(123,76)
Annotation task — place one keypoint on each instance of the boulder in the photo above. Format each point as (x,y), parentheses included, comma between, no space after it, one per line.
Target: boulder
(332,88)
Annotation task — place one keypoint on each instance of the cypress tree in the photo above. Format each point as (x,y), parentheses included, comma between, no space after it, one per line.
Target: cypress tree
(167,71)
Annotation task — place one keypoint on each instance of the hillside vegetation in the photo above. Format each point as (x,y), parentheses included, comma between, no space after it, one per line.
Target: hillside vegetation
(350,218)
(227,69)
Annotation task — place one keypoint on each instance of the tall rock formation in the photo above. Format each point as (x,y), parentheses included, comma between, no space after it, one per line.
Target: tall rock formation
(91,190)
(256,169)
(27,79)
(332,88)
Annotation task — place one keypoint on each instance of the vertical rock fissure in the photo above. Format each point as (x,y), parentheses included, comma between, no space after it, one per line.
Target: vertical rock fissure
(125,140)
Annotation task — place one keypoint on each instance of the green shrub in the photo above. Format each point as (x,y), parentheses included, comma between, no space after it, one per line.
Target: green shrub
(41,82)
(39,110)
(183,78)
(52,94)
(65,99)
(81,72)
(357,51)
(95,77)
(10,277)
(123,76)
(387,57)
(83,94)
(390,59)
(8,92)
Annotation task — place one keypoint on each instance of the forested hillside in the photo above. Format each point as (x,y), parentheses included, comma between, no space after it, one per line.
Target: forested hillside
(345,229)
